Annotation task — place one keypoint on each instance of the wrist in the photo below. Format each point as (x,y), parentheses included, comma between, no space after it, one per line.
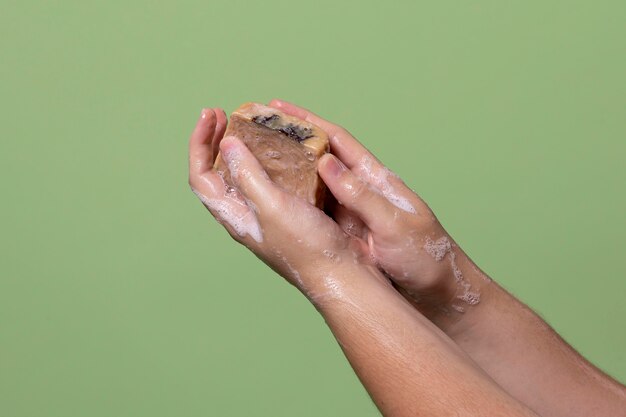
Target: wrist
(466,292)
(341,284)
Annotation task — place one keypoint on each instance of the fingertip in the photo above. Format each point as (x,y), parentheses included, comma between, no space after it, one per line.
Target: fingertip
(200,155)
(220,113)
(324,159)
(220,129)
(207,114)
(229,143)
(205,126)
(220,123)
(276,103)
(331,167)
(352,192)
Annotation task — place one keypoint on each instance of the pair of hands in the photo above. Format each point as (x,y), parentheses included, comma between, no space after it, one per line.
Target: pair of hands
(378,220)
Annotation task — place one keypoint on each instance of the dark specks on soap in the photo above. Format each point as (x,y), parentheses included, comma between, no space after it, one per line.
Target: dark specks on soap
(265,120)
(295,132)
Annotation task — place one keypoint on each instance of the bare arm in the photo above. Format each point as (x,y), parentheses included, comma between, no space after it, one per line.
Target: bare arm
(528,358)
(511,343)
(407,364)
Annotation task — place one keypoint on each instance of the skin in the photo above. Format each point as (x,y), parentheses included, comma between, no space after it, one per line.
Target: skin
(391,292)
(511,343)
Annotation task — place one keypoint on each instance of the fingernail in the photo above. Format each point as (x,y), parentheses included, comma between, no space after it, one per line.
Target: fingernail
(203,114)
(334,167)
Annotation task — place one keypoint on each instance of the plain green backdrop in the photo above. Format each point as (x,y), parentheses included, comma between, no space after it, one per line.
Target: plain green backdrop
(121,296)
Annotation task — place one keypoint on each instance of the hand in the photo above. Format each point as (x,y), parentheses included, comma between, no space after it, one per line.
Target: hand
(294,238)
(404,238)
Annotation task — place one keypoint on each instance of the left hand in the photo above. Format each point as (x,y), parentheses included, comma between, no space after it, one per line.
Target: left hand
(296,239)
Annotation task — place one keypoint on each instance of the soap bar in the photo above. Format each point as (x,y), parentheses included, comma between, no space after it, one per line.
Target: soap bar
(286,146)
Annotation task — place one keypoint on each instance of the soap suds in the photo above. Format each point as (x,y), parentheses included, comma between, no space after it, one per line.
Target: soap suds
(481,273)
(333,287)
(232,158)
(291,271)
(252,206)
(438,250)
(351,226)
(458,308)
(334,258)
(381,180)
(243,225)
(294,273)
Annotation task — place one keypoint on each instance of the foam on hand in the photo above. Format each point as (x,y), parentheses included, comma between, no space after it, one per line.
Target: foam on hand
(438,249)
(232,157)
(225,211)
(380,178)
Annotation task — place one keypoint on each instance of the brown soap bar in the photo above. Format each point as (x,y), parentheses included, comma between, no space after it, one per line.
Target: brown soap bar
(287,147)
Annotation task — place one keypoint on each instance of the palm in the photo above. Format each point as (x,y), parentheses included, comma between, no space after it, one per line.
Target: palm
(398,252)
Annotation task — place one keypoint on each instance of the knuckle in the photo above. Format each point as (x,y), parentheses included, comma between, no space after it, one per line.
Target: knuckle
(284,203)
(272,204)
(359,191)
(342,131)
(192,182)
(339,132)
(422,224)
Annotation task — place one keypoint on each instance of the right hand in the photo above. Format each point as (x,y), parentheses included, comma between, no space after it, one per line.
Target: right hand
(403,236)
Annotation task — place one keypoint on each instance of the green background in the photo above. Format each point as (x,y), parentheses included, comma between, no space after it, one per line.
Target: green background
(121,296)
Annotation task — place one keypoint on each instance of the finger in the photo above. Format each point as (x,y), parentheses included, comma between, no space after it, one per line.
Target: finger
(355,156)
(355,194)
(352,153)
(348,221)
(228,207)
(247,173)
(220,128)
(342,143)
(200,152)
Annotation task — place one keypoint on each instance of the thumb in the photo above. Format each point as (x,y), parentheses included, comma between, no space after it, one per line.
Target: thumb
(246,172)
(355,194)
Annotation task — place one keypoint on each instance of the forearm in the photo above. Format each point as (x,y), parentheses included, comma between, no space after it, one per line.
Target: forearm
(527,358)
(407,242)
(407,364)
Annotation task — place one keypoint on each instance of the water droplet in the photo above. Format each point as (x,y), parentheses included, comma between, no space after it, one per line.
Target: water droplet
(309,155)
(334,258)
